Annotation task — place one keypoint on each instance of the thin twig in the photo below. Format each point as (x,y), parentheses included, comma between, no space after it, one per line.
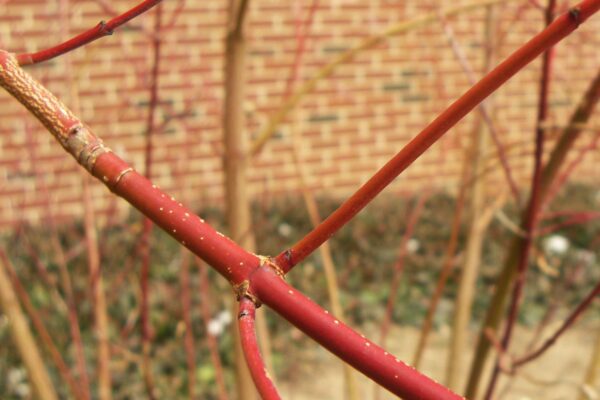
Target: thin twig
(98,298)
(23,339)
(309,86)
(213,346)
(398,270)
(145,238)
(482,108)
(562,147)
(186,311)
(531,215)
(97,32)
(302,29)
(40,328)
(567,323)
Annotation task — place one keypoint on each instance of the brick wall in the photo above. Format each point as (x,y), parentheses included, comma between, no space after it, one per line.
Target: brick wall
(353,123)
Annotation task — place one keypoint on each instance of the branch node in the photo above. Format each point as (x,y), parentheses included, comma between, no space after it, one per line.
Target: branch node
(288,256)
(103,28)
(121,175)
(575,15)
(268,261)
(84,146)
(242,291)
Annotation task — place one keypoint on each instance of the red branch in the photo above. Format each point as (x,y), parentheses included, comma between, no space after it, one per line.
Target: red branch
(575,219)
(446,269)
(211,340)
(368,358)
(97,32)
(145,239)
(301,33)
(559,29)
(186,312)
(415,214)
(249,273)
(40,329)
(256,365)
(571,319)
(531,216)
(562,178)
(482,108)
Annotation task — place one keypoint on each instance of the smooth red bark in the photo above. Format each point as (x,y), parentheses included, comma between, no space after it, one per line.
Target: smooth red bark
(559,29)
(242,267)
(97,32)
(230,260)
(256,365)
(364,355)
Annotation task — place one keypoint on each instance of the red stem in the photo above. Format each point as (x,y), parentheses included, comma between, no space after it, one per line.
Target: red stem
(576,219)
(260,376)
(571,319)
(353,348)
(399,267)
(213,346)
(446,267)
(559,29)
(147,230)
(238,265)
(483,109)
(65,280)
(532,208)
(100,30)
(186,311)
(230,260)
(560,180)
(41,330)
(301,31)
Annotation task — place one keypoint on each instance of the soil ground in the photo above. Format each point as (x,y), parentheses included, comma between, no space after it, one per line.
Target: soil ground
(556,375)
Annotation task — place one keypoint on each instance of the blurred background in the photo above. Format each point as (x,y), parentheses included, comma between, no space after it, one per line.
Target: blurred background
(155,92)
